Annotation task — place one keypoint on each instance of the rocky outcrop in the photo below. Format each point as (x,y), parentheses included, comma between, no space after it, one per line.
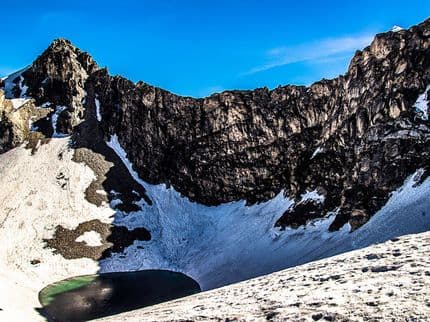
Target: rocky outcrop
(16,123)
(8,138)
(352,140)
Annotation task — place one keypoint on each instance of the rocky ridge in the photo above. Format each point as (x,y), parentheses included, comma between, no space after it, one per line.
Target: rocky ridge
(349,141)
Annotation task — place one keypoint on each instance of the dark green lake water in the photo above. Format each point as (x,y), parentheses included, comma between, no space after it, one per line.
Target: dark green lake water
(89,297)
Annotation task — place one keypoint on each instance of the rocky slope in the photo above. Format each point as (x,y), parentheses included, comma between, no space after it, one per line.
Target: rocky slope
(385,282)
(353,139)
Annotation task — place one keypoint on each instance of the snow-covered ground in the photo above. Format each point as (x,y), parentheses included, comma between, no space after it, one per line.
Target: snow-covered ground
(32,204)
(312,195)
(384,282)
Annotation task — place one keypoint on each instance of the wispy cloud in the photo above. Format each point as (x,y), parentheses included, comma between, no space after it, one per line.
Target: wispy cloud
(315,51)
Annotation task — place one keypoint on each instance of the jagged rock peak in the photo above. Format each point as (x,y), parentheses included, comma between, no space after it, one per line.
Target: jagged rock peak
(57,77)
(62,43)
(63,48)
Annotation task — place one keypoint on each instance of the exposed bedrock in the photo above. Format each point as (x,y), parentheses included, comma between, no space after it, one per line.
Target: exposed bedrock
(353,139)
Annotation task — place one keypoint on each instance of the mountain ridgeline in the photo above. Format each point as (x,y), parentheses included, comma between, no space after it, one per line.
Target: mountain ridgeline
(352,140)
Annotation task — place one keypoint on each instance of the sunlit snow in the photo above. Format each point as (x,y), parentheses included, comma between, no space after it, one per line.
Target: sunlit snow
(91,238)
(396,28)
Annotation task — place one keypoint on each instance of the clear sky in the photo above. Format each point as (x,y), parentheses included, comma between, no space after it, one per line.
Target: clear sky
(199,47)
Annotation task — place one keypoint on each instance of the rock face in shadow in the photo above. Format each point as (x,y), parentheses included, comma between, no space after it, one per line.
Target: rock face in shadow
(354,139)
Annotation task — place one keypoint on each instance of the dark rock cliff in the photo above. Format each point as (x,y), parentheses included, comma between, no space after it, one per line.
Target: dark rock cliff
(354,139)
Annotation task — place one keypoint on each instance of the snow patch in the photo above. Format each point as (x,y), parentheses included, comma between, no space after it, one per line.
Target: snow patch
(23,88)
(18,102)
(115,203)
(9,84)
(312,195)
(54,119)
(421,105)
(396,28)
(317,151)
(114,144)
(101,192)
(98,114)
(91,238)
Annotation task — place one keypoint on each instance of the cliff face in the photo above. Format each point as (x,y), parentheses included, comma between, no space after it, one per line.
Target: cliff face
(351,140)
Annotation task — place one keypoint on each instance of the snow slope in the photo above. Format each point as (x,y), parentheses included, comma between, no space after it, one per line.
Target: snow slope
(384,282)
(32,204)
(232,242)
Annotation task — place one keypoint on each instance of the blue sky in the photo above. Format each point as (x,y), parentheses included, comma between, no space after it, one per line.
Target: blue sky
(199,47)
